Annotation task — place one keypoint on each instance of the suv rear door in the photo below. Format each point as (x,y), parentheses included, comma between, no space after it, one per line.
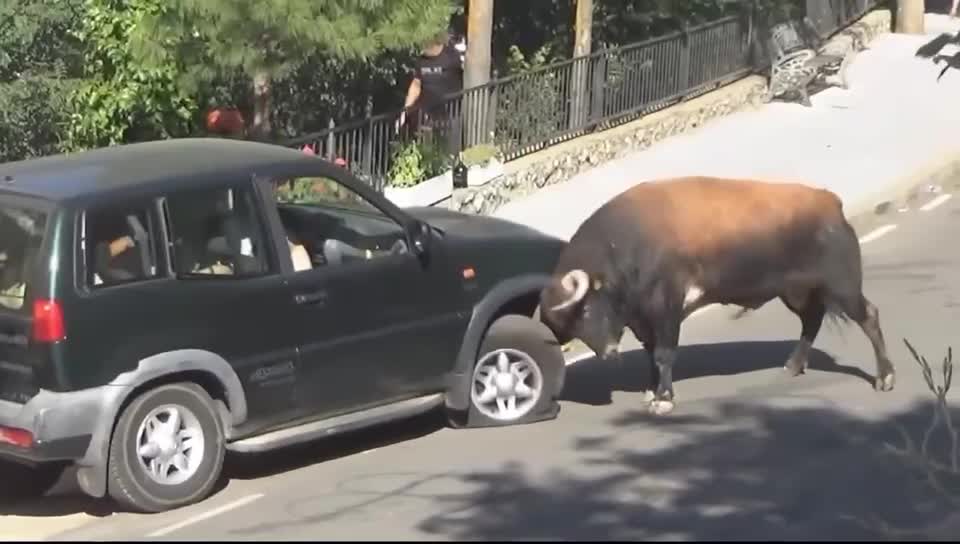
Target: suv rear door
(23,227)
(209,283)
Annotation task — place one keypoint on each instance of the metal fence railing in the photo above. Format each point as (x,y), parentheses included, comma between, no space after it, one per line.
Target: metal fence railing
(526,112)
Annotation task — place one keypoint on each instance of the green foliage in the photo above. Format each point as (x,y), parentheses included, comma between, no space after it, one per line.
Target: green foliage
(121,100)
(480,155)
(33,111)
(268,40)
(529,105)
(39,64)
(306,100)
(518,63)
(413,162)
(532,25)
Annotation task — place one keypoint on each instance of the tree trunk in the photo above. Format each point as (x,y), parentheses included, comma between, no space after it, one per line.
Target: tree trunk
(910,15)
(479,36)
(580,85)
(475,105)
(262,128)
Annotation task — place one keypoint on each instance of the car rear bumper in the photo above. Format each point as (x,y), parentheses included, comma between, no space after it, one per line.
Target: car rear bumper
(60,426)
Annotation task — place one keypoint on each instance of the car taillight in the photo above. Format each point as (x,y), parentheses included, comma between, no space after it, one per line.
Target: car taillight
(17,437)
(47,321)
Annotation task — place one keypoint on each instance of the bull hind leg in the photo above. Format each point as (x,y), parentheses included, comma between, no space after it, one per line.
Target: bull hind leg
(867,316)
(811,310)
(843,292)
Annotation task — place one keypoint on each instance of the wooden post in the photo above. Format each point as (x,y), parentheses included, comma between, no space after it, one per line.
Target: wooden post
(476,70)
(584,24)
(581,48)
(910,15)
(479,36)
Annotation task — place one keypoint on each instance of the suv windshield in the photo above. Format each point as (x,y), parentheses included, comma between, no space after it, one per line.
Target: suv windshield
(21,233)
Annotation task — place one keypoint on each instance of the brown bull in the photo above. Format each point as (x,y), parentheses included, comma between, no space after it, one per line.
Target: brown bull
(659,251)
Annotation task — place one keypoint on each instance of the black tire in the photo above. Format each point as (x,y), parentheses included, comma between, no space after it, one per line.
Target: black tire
(21,482)
(129,482)
(527,340)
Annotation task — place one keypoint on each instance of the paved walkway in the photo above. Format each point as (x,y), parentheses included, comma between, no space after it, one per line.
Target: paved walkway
(895,120)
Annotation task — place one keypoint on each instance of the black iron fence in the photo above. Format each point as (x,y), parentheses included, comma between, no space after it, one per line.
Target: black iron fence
(517,115)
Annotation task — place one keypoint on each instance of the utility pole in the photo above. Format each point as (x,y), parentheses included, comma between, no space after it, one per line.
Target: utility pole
(581,48)
(910,15)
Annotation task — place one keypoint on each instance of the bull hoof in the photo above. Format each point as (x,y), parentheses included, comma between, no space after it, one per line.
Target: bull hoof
(661,407)
(885,383)
(795,368)
(649,396)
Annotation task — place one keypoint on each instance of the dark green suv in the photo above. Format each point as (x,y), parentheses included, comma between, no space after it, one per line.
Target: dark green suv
(161,303)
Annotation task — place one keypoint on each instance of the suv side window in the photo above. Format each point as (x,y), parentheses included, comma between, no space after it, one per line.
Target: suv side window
(216,232)
(120,245)
(329,224)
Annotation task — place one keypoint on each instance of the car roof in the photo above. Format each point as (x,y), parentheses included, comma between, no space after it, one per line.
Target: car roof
(147,166)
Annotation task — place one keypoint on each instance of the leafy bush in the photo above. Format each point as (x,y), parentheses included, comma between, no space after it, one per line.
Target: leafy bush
(480,155)
(414,162)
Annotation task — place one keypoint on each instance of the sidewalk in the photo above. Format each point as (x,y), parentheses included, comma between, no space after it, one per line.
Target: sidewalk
(863,143)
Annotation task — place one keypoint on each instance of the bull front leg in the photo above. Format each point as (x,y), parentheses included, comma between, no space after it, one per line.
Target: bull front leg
(664,356)
(643,333)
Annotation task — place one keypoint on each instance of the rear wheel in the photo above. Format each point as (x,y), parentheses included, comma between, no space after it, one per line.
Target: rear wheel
(518,375)
(21,482)
(167,449)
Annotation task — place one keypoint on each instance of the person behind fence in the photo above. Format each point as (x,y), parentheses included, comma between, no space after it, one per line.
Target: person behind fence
(437,74)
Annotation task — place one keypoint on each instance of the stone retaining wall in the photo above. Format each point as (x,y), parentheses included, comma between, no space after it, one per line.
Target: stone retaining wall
(559,163)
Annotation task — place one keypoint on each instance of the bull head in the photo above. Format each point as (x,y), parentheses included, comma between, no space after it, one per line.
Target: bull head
(572,310)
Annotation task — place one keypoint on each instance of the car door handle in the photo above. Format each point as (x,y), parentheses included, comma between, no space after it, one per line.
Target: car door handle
(316,297)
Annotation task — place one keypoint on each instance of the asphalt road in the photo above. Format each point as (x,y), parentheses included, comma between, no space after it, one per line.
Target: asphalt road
(748,452)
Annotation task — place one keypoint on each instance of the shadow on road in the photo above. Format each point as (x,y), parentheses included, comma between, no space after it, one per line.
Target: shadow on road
(753,473)
(593,381)
(589,382)
(65,499)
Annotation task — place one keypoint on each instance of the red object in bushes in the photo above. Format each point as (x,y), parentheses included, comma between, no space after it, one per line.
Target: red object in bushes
(225,121)
(340,162)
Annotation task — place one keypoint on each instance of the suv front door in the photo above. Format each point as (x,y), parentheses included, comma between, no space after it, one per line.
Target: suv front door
(377,323)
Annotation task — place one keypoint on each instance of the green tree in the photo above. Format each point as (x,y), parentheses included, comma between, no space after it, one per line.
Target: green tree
(267,40)
(121,100)
(39,65)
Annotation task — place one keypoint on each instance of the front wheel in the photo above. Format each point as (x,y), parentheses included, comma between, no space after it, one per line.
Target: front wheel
(518,375)
(167,449)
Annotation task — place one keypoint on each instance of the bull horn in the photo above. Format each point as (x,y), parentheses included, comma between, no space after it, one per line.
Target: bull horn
(575,283)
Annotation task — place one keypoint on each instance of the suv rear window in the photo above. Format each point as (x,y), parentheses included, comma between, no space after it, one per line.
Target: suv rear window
(21,234)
